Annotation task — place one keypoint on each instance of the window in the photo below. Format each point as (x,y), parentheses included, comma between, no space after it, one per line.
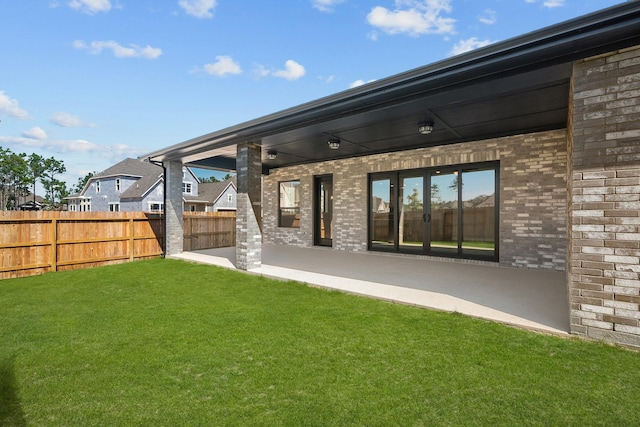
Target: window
(229,198)
(156,206)
(85,205)
(114,207)
(289,209)
(186,187)
(445,211)
(118,184)
(97,186)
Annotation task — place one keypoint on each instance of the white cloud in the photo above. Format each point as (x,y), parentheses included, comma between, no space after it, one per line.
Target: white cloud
(79,146)
(488,17)
(468,45)
(292,71)
(359,83)
(261,71)
(224,65)
(90,6)
(553,3)
(199,8)
(548,3)
(35,133)
(10,107)
(413,17)
(67,120)
(325,5)
(134,51)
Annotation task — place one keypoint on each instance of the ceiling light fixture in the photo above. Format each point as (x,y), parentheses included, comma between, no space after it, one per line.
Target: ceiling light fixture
(334,143)
(425,128)
(272,154)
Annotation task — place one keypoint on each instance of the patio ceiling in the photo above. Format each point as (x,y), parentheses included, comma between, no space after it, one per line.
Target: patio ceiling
(513,87)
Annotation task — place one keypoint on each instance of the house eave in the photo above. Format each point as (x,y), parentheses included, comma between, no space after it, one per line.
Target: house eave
(555,46)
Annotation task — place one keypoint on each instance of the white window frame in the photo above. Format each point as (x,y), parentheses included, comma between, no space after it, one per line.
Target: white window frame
(114,207)
(118,185)
(85,205)
(187,187)
(97,186)
(159,204)
(229,198)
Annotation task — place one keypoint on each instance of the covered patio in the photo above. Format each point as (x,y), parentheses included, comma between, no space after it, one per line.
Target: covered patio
(524,153)
(531,299)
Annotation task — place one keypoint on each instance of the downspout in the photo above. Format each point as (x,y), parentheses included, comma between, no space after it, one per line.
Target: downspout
(164,202)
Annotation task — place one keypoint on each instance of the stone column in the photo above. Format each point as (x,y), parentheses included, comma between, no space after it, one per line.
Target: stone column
(173,219)
(249,207)
(604,210)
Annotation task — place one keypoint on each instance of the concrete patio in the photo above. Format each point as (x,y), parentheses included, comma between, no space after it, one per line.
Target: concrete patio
(530,299)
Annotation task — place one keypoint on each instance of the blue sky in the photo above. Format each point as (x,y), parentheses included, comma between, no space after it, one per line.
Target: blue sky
(92,82)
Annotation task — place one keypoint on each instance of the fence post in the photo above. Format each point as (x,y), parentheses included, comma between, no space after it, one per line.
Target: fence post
(54,244)
(131,239)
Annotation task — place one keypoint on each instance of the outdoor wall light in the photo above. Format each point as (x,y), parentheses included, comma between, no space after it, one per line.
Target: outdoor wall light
(272,154)
(425,128)
(334,143)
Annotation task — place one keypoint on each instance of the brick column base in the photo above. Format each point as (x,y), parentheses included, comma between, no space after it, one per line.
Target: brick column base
(249,207)
(173,215)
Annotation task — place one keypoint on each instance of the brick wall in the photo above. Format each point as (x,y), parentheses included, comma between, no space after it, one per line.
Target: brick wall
(248,226)
(533,197)
(173,209)
(604,278)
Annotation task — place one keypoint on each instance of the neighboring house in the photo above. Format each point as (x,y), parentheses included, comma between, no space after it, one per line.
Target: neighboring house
(546,125)
(134,186)
(213,197)
(28,204)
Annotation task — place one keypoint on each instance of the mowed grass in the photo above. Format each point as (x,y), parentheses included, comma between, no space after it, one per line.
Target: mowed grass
(167,343)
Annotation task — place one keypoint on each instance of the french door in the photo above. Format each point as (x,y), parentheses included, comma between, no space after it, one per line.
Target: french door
(449,212)
(323,210)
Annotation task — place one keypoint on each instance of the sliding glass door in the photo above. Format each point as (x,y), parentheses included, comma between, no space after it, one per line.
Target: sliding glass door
(382,202)
(478,191)
(411,221)
(456,217)
(443,215)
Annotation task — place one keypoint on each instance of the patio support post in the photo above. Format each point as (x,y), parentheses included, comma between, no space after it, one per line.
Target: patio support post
(249,206)
(604,185)
(173,219)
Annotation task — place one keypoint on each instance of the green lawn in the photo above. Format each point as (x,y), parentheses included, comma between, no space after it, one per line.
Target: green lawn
(164,342)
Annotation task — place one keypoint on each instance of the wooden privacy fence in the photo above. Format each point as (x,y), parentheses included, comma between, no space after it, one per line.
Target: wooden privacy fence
(38,242)
(478,225)
(204,230)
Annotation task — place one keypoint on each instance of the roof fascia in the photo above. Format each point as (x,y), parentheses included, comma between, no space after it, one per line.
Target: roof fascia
(151,187)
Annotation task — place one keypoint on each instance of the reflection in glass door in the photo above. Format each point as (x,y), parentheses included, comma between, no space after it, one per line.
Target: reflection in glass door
(443,215)
(478,212)
(381,222)
(323,217)
(411,226)
(450,211)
